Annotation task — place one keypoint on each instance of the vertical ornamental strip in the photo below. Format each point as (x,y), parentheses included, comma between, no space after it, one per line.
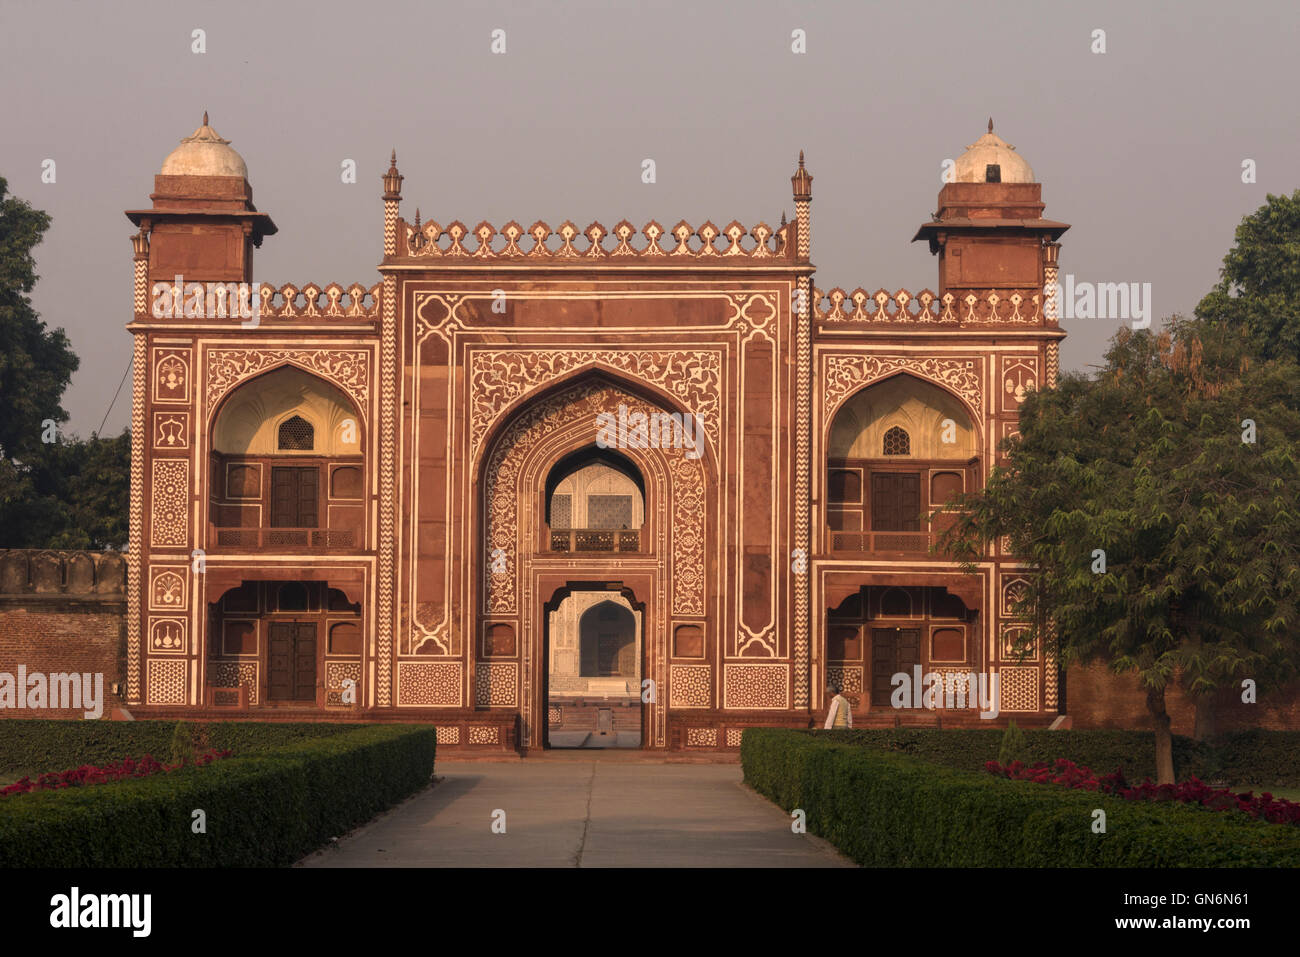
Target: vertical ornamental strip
(135,537)
(802,182)
(382,695)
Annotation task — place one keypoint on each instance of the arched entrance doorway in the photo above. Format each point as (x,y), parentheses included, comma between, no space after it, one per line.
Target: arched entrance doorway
(594,649)
(567,506)
(595,511)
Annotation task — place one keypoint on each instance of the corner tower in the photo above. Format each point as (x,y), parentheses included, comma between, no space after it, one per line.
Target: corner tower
(203,224)
(989,231)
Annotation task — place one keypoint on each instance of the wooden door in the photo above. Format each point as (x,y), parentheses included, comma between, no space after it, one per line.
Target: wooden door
(892,650)
(294,493)
(895,501)
(291,661)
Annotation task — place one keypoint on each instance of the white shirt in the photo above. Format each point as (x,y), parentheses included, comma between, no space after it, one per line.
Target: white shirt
(839,701)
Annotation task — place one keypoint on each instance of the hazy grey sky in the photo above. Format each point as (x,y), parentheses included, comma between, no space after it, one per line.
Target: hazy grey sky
(1139,148)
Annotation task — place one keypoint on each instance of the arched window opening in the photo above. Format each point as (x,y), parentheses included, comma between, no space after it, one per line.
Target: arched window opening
(296,435)
(595,501)
(896,451)
(897,442)
(264,499)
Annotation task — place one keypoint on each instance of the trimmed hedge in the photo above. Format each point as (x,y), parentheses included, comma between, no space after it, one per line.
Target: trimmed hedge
(51,745)
(1260,759)
(263,810)
(894,810)
(1256,758)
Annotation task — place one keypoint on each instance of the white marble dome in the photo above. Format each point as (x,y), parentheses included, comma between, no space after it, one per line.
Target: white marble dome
(204,154)
(991,150)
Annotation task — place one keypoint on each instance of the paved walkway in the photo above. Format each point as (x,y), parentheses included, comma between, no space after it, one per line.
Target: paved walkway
(585,812)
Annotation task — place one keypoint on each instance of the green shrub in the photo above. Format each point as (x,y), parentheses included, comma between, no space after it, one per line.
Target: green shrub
(183,744)
(893,810)
(1013,744)
(265,809)
(1258,758)
(971,748)
(51,745)
(1255,758)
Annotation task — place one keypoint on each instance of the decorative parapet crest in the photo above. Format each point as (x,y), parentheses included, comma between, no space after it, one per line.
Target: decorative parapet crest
(956,307)
(313,301)
(569,245)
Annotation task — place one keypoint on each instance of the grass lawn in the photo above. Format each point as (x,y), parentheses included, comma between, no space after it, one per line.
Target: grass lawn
(1286,794)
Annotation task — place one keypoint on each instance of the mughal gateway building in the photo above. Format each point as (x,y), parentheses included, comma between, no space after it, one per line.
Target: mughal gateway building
(547,484)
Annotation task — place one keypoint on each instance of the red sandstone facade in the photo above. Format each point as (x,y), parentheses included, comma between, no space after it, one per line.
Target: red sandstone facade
(350,510)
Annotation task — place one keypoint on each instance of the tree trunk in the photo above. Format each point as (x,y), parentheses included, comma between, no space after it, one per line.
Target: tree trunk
(1205,717)
(1164,740)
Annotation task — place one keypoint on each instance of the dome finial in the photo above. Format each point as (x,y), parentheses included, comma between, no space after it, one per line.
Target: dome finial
(990,124)
(204,153)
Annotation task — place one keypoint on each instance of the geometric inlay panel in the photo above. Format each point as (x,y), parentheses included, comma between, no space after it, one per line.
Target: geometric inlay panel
(484,735)
(234,674)
(166,684)
(701,737)
(756,686)
(846,676)
(1018,689)
(448,735)
(495,684)
(171,497)
(689,686)
(337,672)
(432,684)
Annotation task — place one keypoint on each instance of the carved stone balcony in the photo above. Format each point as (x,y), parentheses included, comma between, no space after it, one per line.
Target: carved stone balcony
(595,540)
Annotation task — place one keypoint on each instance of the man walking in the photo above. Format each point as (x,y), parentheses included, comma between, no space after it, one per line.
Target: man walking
(840,714)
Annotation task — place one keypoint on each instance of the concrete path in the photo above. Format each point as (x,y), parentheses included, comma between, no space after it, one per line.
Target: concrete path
(583,812)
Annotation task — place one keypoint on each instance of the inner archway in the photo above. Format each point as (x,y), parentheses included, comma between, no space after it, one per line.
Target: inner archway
(594,651)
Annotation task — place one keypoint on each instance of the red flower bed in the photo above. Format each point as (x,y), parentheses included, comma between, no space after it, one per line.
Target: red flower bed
(89,774)
(1191,791)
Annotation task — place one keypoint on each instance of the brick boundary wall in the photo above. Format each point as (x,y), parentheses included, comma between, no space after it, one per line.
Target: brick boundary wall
(61,612)
(1098,698)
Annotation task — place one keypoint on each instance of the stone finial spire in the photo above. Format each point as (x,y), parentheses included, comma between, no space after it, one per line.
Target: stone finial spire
(393,180)
(802,181)
(205,117)
(990,124)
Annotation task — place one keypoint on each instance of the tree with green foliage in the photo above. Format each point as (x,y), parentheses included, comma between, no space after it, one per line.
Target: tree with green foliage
(1157,505)
(1260,285)
(36,363)
(68,493)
